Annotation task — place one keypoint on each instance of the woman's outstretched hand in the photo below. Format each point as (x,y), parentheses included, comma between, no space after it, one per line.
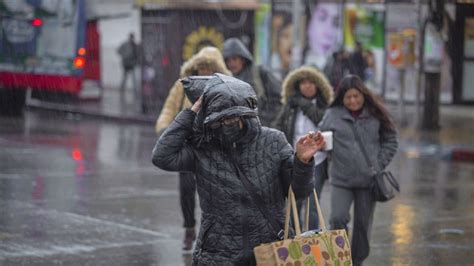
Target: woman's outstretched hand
(308,145)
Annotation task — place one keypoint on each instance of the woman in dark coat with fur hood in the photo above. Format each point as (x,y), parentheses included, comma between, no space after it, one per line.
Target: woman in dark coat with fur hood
(305,96)
(232,147)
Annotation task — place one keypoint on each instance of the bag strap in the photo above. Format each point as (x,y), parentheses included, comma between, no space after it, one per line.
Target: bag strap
(322,223)
(257,200)
(392,180)
(389,175)
(296,221)
(364,152)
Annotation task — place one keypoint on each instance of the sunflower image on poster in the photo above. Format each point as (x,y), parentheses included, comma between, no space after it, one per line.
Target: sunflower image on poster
(202,37)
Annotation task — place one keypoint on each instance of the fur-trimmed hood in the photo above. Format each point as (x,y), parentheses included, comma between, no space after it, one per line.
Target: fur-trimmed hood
(210,57)
(310,73)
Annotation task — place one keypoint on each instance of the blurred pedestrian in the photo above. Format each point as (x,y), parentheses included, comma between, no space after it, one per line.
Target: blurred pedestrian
(359,61)
(356,109)
(207,61)
(370,71)
(268,88)
(339,67)
(306,95)
(243,170)
(129,54)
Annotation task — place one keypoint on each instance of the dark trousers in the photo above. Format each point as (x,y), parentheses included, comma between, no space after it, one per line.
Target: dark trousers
(129,71)
(187,196)
(364,206)
(320,177)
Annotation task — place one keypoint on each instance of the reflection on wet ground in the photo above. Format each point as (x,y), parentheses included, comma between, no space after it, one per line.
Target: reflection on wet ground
(77,191)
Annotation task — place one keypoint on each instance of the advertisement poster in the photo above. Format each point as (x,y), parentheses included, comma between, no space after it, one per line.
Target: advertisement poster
(262,35)
(282,33)
(324,33)
(365,24)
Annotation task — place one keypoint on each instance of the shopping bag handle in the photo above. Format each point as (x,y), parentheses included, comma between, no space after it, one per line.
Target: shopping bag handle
(291,207)
(296,221)
(322,223)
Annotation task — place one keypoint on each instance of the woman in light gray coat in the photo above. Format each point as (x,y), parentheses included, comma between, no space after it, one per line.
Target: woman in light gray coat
(356,108)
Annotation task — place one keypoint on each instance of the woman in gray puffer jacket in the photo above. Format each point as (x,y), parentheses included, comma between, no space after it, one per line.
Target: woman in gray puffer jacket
(231,146)
(355,107)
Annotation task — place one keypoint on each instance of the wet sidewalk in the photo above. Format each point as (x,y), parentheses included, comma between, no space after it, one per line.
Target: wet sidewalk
(456,121)
(80,191)
(114,105)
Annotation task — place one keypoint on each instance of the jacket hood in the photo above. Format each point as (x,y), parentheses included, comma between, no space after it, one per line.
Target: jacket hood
(209,57)
(235,47)
(312,74)
(226,96)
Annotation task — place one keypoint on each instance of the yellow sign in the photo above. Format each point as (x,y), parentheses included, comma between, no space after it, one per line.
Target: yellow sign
(401,48)
(202,37)
(395,53)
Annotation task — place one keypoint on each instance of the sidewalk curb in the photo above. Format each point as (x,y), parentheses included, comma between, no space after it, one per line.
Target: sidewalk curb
(47,106)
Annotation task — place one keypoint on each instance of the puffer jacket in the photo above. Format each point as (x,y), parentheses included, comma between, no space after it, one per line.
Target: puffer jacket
(265,84)
(176,101)
(231,223)
(348,166)
(293,101)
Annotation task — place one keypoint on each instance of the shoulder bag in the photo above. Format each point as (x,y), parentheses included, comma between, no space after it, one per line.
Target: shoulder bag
(384,186)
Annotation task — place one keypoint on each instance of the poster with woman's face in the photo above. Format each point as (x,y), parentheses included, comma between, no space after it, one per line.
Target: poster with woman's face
(324,33)
(282,32)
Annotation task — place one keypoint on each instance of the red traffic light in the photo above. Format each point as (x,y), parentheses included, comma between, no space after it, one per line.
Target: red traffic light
(37,22)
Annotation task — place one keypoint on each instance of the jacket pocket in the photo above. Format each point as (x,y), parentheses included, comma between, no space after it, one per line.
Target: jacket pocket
(204,233)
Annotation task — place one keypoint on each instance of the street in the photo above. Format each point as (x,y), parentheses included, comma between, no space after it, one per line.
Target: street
(83,191)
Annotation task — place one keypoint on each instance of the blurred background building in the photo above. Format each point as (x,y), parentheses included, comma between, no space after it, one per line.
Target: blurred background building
(282,34)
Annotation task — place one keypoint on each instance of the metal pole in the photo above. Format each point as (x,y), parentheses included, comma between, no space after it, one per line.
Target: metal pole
(401,100)
(384,65)
(419,65)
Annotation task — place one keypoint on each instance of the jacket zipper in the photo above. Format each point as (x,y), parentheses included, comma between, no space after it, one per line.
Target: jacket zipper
(245,238)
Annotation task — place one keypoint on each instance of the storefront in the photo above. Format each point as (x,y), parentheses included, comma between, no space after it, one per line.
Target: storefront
(172,31)
(463,62)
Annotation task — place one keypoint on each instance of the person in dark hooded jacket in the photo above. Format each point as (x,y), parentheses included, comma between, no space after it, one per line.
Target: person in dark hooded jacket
(207,61)
(268,87)
(232,155)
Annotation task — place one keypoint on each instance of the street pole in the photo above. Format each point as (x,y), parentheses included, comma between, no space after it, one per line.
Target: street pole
(420,42)
(432,67)
(401,99)
(384,66)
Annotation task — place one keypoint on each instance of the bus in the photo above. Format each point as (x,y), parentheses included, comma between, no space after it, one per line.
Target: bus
(48,47)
